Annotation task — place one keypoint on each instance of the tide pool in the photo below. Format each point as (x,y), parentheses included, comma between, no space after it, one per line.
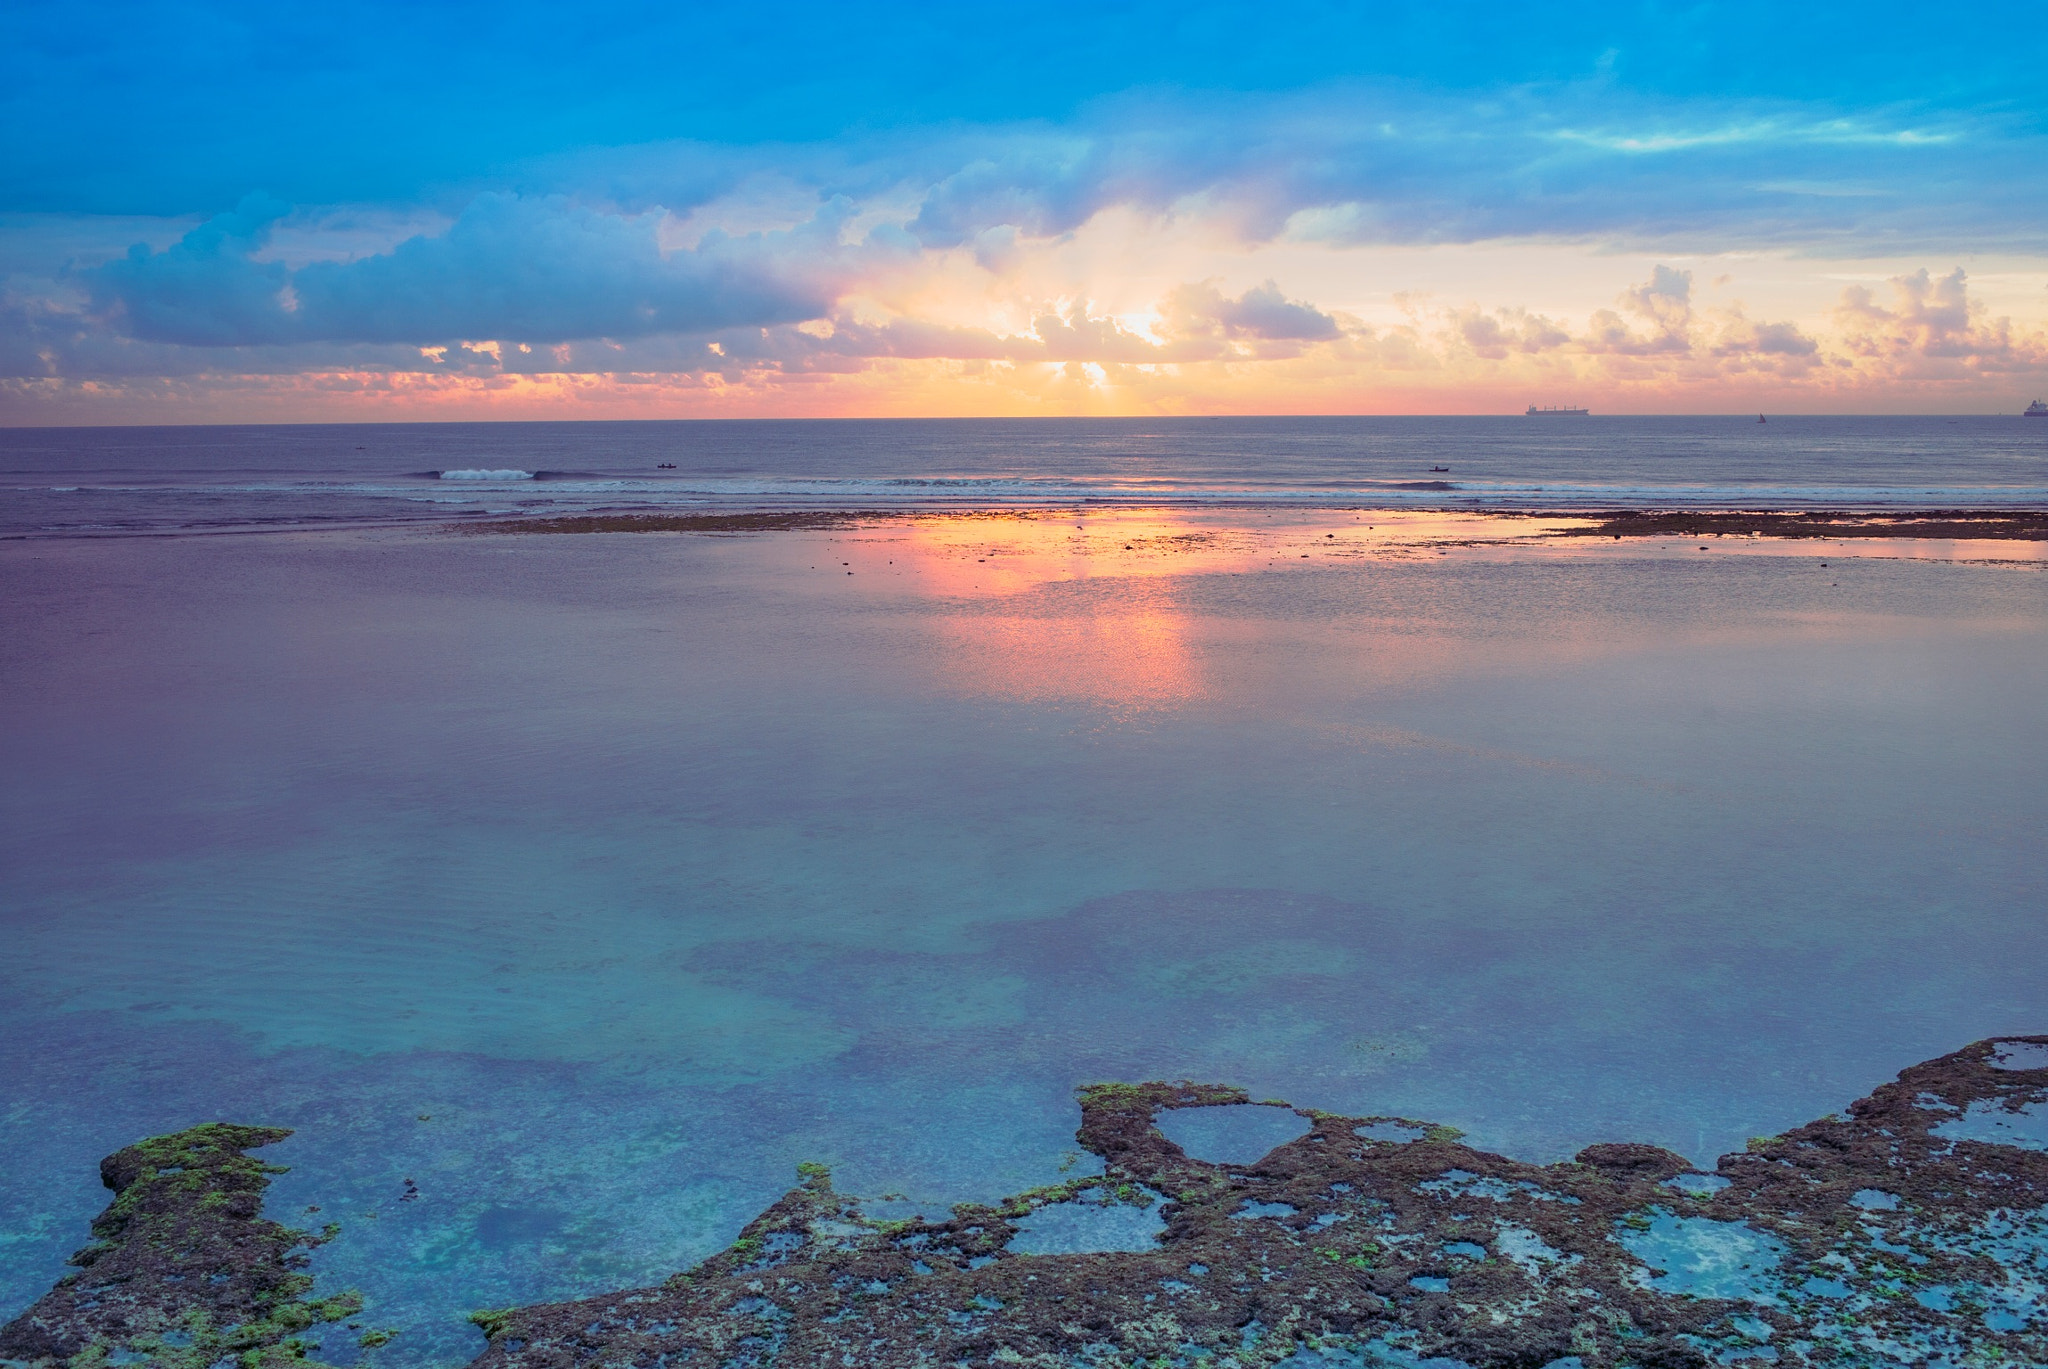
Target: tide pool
(565,892)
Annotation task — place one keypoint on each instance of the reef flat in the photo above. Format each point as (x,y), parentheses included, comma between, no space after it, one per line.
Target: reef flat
(2029,525)
(183,1271)
(1911,1229)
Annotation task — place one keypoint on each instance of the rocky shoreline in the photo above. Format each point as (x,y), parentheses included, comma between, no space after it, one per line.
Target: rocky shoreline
(1913,1228)
(1936,524)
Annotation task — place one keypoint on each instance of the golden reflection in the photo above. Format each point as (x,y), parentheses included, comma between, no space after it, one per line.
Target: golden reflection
(1093,606)
(995,554)
(1007,628)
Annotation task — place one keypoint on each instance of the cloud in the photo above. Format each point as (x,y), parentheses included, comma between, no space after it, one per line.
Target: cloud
(1261,313)
(539,269)
(1382,162)
(1933,320)
(1655,330)
(1197,348)
(206,289)
(1494,336)
(1663,303)
(1742,337)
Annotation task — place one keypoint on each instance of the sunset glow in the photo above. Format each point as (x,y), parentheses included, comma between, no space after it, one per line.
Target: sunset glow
(1339,213)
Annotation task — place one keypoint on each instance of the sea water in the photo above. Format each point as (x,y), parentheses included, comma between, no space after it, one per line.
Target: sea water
(565,892)
(128,479)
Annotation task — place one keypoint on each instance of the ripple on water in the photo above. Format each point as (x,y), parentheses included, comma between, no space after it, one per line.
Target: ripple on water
(1232,1133)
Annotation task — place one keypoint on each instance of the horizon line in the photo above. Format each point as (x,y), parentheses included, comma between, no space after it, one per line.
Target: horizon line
(982,418)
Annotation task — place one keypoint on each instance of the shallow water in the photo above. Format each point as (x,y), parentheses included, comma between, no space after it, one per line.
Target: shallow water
(1232,1134)
(1705,1258)
(1092,1221)
(591,883)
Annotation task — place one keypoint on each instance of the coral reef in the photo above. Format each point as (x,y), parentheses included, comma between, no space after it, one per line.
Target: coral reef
(183,1271)
(1912,1229)
(2026,525)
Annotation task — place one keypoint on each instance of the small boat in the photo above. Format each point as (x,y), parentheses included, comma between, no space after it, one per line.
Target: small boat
(1566,411)
(1440,470)
(2037,410)
(666,466)
(1761,419)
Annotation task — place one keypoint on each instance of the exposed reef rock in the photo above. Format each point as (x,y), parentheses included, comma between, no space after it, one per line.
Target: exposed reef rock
(182,1271)
(1911,1231)
(2025,525)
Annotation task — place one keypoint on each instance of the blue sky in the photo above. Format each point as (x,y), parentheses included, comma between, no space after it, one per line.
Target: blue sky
(219,210)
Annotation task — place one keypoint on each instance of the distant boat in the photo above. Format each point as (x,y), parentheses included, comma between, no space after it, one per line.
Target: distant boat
(1440,470)
(1761,419)
(2037,410)
(666,466)
(1566,412)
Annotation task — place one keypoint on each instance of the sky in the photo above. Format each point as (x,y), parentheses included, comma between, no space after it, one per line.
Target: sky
(221,211)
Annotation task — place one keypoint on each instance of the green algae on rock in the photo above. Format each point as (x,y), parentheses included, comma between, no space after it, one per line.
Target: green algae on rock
(1342,1249)
(1908,1230)
(183,1271)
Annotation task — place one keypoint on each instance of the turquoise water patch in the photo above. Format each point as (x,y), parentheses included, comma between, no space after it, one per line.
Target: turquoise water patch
(2019,1055)
(1232,1133)
(1703,1258)
(1090,1222)
(1464,1182)
(1529,1250)
(1997,1122)
(1253,1208)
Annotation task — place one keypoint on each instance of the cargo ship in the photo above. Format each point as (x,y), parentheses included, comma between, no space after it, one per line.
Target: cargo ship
(2037,410)
(1566,412)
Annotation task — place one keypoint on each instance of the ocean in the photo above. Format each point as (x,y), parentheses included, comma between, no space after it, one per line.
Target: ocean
(565,892)
(134,479)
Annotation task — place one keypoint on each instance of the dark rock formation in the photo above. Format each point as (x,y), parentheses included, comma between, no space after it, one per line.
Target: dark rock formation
(1871,1238)
(182,1269)
(1912,1230)
(2023,525)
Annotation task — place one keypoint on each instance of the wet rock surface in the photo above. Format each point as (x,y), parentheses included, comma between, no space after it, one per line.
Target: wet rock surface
(1335,1249)
(2025,525)
(1890,1234)
(182,1270)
